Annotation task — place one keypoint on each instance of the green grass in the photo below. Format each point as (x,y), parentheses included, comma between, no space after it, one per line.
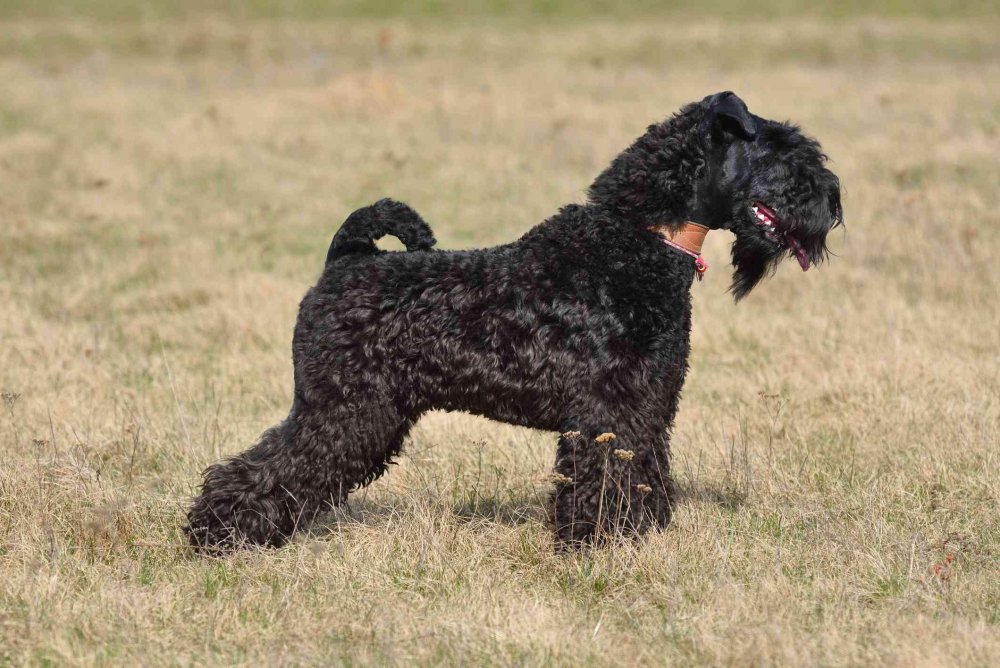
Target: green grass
(460,10)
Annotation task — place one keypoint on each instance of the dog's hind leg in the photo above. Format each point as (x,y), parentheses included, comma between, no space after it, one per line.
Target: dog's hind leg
(297,470)
(610,482)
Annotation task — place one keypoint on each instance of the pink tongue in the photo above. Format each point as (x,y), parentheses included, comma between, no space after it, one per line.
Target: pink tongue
(800,253)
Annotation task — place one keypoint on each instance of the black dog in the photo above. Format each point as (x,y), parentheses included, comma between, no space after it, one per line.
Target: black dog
(579,327)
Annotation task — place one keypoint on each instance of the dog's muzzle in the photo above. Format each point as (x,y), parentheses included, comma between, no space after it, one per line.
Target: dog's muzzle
(771,224)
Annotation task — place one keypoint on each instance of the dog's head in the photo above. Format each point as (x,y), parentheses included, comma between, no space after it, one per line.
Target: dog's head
(768,183)
(717,164)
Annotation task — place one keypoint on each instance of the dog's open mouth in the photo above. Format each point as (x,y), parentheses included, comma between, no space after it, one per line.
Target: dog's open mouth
(769,221)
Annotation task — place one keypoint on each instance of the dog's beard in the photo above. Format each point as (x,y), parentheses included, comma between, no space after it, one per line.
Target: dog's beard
(753,259)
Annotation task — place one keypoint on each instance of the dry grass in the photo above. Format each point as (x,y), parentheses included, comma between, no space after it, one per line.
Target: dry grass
(168,192)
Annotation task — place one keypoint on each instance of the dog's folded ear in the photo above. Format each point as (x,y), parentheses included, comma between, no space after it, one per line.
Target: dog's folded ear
(726,111)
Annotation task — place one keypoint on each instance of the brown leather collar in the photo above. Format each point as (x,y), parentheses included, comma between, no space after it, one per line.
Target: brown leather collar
(689,236)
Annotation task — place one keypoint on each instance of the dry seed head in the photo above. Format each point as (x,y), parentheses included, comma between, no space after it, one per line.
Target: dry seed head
(606,437)
(645,489)
(624,455)
(571,434)
(560,479)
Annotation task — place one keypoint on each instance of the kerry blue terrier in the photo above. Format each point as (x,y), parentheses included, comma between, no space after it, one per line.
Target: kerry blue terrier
(580,327)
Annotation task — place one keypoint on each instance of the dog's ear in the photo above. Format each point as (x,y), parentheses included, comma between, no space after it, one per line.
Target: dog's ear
(726,111)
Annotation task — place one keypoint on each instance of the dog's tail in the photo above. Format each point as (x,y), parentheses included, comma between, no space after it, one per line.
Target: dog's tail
(385,217)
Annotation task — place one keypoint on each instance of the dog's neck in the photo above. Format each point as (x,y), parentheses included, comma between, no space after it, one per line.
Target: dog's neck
(687,237)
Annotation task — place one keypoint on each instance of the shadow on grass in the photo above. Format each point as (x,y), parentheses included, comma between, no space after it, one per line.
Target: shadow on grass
(513,511)
(724,496)
(366,512)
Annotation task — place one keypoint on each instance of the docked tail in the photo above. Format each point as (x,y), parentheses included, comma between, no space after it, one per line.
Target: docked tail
(385,217)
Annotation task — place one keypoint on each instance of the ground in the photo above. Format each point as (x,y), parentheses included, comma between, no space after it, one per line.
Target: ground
(170,180)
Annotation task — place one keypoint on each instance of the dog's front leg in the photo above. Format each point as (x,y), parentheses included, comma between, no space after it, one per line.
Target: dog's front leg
(610,483)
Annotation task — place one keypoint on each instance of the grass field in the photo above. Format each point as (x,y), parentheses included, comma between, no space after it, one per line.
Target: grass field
(170,180)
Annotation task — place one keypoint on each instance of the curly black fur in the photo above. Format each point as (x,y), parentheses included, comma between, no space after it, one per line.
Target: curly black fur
(579,327)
